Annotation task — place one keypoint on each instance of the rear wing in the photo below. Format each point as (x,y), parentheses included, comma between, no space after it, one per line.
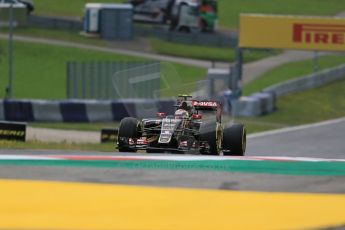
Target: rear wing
(209,106)
(203,106)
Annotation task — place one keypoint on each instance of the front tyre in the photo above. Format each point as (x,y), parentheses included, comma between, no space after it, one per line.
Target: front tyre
(234,140)
(130,128)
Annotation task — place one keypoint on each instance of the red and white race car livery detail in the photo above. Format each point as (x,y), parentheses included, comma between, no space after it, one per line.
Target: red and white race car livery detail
(205,104)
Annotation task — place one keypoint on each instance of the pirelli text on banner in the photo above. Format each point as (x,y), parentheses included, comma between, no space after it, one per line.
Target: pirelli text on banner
(310,33)
(318,33)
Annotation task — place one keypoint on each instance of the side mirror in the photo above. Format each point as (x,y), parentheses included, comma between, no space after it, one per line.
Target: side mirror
(197,116)
(161,115)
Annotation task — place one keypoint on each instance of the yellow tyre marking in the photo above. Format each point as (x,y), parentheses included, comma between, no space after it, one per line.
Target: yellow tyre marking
(58,205)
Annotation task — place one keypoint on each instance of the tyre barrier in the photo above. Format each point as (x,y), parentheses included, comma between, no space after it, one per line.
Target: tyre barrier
(257,104)
(81,110)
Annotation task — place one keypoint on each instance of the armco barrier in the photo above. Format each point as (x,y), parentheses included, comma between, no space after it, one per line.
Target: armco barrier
(2,115)
(107,111)
(81,110)
(73,112)
(18,111)
(44,111)
(308,82)
(98,111)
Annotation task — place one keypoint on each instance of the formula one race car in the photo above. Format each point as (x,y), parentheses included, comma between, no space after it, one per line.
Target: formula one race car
(183,132)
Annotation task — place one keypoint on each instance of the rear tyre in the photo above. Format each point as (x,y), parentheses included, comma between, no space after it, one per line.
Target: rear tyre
(129,128)
(211,133)
(234,140)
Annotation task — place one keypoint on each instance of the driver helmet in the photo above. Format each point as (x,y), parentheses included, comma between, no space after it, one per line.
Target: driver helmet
(181,114)
(184,105)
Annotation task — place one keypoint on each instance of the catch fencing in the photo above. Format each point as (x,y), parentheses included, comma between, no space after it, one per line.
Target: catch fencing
(113,80)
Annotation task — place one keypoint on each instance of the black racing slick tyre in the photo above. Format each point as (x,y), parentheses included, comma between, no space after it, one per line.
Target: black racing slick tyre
(234,140)
(129,128)
(211,132)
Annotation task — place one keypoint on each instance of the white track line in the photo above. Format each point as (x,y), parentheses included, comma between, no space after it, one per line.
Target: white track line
(27,157)
(167,158)
(296,128)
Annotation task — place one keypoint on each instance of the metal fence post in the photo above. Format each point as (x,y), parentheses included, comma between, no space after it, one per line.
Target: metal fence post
(68,84)
(10,53)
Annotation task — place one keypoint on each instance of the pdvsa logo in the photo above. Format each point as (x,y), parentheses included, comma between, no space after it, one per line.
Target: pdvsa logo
(319,34)
(205,103)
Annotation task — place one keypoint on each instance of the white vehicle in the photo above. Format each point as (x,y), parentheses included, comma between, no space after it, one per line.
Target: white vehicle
(17,4)
(181,15)
(159,11)
(150,10)
(186,19)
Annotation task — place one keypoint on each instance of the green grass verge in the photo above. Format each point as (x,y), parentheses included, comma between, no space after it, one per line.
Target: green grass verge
(229,10)
(95,126)
(157,45)
(57,34)
(290,71)
(106,147)
(40,70)
(315,105)
(204,52)
(66,8)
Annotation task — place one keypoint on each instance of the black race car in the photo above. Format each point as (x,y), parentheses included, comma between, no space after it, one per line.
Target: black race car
(183,132)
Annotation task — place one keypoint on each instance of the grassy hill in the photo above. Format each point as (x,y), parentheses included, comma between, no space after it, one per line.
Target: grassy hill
(228,9)
(40,70)
(290,71)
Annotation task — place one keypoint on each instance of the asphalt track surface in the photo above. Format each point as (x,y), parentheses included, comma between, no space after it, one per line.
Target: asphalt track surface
(323,140)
